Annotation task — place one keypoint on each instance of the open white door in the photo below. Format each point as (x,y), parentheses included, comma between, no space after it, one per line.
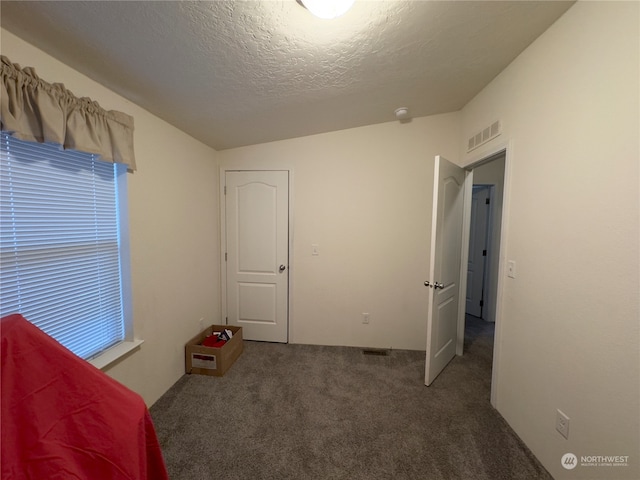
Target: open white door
(257,253)
(444,275)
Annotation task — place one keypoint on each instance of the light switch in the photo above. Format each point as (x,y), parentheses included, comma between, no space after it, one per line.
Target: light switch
(315,249)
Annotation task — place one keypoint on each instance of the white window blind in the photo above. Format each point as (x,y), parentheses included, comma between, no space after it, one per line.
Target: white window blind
(59,243)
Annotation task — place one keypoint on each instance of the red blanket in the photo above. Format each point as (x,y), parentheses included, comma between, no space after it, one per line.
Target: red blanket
(63,419)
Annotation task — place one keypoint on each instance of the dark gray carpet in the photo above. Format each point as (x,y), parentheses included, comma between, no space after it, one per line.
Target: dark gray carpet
(311,412)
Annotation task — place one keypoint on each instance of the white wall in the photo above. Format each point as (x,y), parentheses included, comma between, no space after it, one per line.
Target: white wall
(173,215)
(364,196)
(569,323)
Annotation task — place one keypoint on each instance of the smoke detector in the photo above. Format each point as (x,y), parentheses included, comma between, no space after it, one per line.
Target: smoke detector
(402,113)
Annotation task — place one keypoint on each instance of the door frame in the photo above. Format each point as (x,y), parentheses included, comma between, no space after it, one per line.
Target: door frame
(224,168)
(473,162)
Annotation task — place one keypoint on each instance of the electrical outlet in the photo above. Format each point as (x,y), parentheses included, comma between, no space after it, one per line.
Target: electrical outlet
(365,318)
(562,424)
(201,324)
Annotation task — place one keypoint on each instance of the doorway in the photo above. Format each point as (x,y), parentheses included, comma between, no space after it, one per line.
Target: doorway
(484,251)
(491,172)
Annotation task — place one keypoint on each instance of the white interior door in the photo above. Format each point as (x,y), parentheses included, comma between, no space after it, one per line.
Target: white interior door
(444,275)
(477,250)
(257,253)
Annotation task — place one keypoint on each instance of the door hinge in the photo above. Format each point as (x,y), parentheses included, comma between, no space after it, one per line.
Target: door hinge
(484,253)
(225,256)
(225,189)
(482,303)
(488,201)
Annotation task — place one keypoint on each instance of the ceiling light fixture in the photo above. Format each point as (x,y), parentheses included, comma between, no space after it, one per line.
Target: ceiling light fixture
(327,8)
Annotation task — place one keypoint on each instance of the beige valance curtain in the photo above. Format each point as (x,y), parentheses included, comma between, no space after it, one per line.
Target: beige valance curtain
(34,110)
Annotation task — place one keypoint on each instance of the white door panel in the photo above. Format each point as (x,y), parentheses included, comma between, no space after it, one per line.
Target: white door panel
(256,216)
(257,247)
(257,302)
(444,275)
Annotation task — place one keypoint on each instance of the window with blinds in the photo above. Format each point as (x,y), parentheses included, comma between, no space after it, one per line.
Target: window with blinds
(60,246)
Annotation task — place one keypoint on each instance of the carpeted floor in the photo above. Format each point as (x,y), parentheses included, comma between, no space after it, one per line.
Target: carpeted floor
(311,412)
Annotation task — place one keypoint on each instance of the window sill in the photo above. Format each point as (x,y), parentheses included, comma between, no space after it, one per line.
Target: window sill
(114,353)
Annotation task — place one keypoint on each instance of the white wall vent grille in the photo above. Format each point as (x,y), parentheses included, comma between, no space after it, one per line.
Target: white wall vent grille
(484,136)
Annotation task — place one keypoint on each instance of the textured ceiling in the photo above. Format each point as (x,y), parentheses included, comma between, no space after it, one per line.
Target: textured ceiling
(233,73)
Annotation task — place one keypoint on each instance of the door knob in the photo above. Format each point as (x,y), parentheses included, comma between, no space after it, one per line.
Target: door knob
(438,285)
(427,284)
(282,268)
